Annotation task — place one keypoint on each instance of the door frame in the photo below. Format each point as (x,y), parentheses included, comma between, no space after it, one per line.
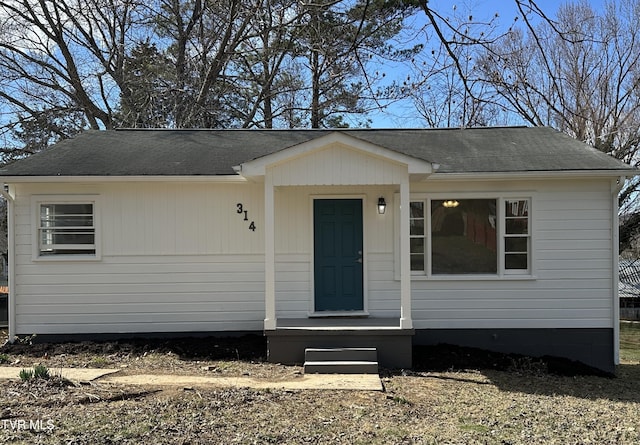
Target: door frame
(365,294)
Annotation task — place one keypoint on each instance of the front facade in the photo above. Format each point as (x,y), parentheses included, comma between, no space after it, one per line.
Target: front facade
(335,238)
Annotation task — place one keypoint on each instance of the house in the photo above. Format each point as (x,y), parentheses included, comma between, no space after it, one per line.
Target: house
(629,288)
(500,238)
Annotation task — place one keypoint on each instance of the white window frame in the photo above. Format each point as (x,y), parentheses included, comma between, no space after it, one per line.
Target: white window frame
(504,236)
(502,273)
(38,200)
(426,226)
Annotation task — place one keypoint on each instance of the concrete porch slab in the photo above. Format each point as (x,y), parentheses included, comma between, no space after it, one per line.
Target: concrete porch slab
(288,346)
(338,324)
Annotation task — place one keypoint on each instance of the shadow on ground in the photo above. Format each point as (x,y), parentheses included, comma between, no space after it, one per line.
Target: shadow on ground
(246,348)
(551,376)
(445,357)
(624,388)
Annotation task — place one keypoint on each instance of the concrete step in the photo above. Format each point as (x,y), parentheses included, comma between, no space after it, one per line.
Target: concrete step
(337,354)
(341,367)
(341,361)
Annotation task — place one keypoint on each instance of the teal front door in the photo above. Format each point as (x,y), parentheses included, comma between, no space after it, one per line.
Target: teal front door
(338,256)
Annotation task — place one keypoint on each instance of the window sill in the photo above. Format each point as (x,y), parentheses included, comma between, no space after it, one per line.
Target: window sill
(506,277)
(66,258)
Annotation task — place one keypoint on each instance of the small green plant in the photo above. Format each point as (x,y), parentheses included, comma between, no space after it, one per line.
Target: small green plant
(401,400)
(474,427)
(26,375)
(41,372)
(38,372)
(98,362)
(4,358)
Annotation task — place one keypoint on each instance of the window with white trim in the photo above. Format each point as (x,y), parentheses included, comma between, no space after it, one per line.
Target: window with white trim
(66,228)
(470,236)
(417,235)
(517,235)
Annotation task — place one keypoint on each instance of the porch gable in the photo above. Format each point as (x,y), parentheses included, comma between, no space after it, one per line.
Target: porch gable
(335,159)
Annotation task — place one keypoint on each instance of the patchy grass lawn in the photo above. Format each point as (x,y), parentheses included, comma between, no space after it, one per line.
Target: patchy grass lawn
(513,402)
(630,341)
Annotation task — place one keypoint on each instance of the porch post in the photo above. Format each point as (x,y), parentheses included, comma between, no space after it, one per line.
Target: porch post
(269,255)
(405,257)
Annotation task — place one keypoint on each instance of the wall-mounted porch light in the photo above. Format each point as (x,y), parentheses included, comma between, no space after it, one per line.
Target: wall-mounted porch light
(382,205)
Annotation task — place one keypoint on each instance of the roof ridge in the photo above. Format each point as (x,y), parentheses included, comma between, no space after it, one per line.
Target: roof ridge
(285,130)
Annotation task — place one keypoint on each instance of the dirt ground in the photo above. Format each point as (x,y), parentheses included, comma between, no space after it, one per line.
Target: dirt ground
(241,356)
(451,396)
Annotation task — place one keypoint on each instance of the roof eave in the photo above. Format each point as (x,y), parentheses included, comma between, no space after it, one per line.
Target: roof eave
(121,178)
(543,174)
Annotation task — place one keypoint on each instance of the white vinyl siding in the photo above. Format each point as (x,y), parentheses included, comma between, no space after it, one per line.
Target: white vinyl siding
(570,285)
(163,270)
(177,257)
(182,219)
(355,167)
(142,294)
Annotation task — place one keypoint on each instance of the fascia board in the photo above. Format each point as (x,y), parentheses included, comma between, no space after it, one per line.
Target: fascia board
(509,176)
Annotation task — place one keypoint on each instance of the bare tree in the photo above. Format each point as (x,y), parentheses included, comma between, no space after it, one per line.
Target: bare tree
(578,73)
(89,58)
(64,55)
(445,85)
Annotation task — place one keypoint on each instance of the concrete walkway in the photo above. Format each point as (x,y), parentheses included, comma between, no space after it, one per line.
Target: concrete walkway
(82,375)
(360,382)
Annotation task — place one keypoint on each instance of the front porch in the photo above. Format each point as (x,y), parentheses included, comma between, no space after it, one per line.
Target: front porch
(291,336)
(322,202)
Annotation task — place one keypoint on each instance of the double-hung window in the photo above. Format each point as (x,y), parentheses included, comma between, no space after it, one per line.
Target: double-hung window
(66,227)
(517,236)
(478,236)
(417,235)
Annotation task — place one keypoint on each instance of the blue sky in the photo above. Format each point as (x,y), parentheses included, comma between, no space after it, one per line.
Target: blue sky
(505,8)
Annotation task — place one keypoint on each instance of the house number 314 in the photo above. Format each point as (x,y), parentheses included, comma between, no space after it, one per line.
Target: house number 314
(240,210)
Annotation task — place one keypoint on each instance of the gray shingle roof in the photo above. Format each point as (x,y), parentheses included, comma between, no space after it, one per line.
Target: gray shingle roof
(215,152)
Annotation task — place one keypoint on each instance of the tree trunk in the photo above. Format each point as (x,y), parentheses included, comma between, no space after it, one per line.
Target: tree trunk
(315,89)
